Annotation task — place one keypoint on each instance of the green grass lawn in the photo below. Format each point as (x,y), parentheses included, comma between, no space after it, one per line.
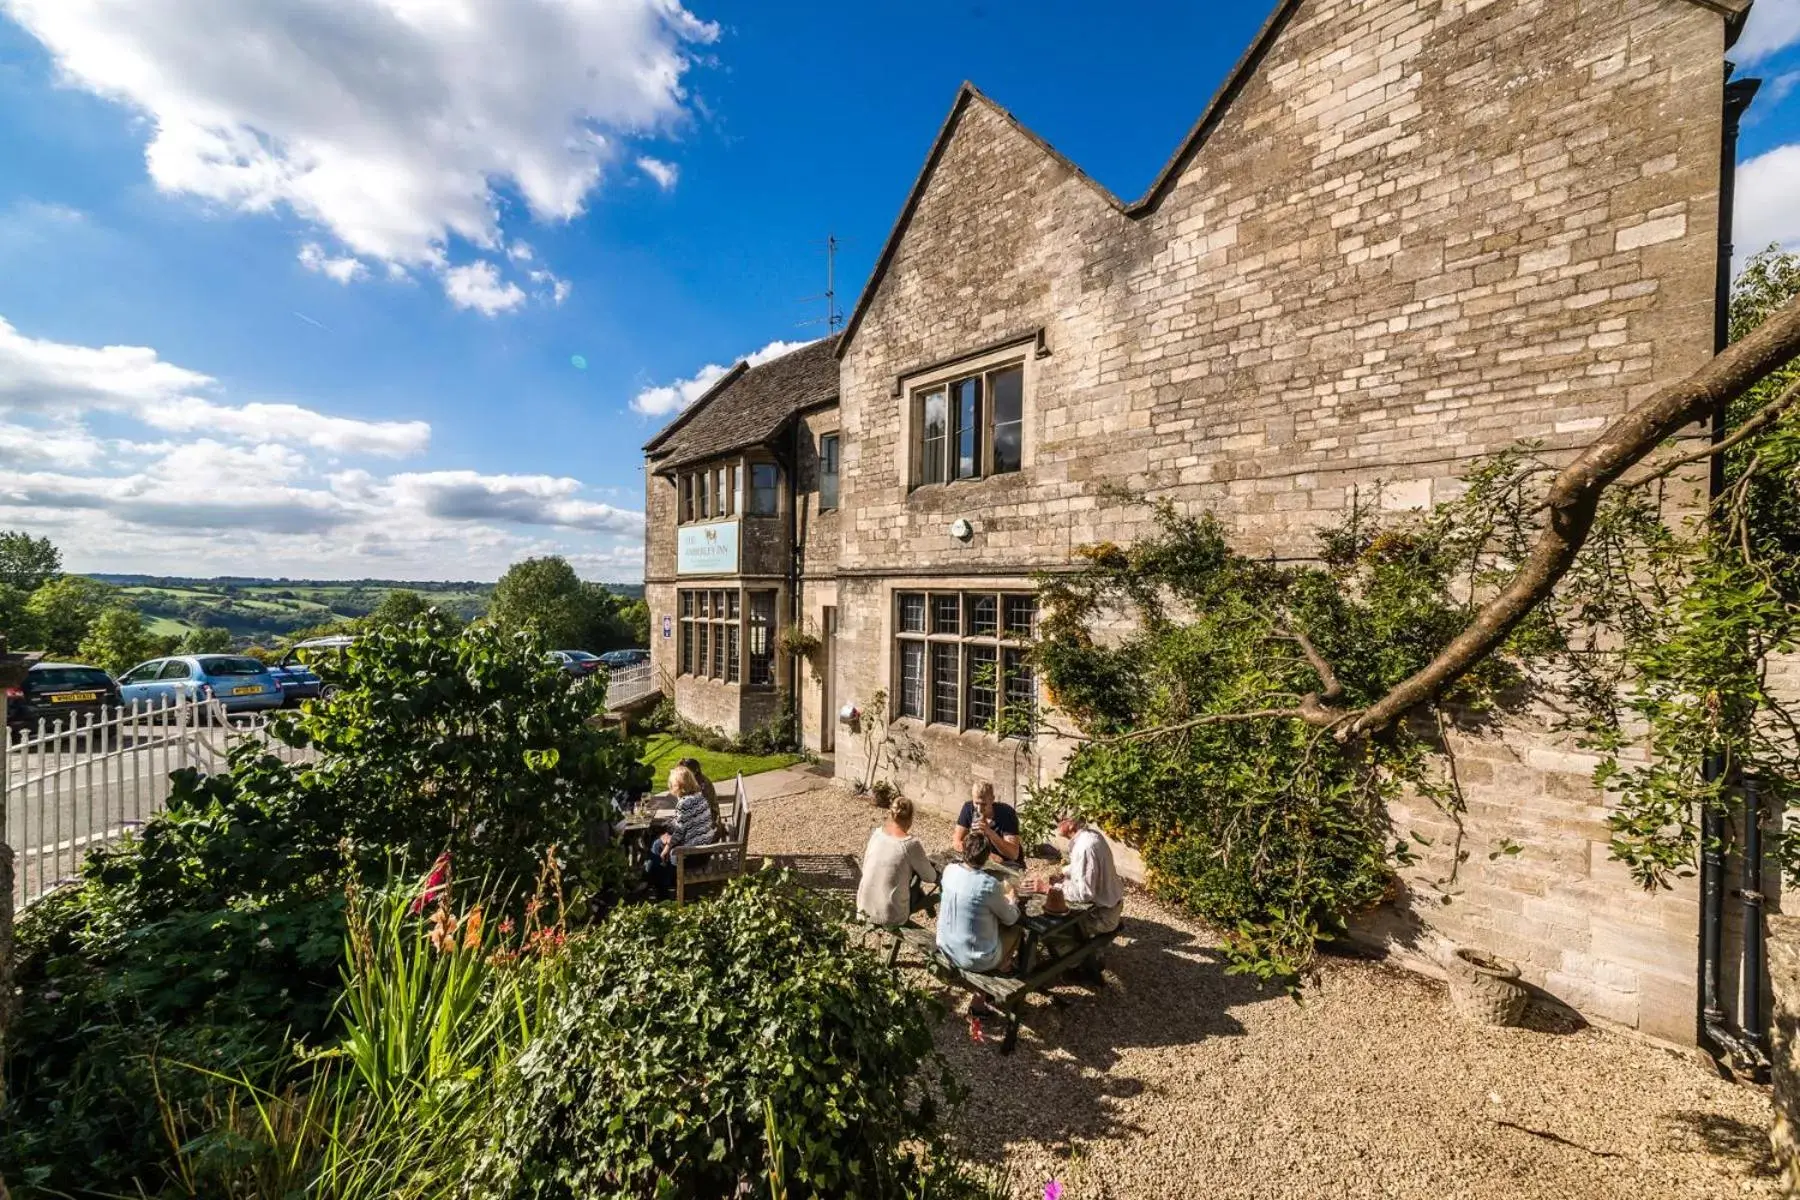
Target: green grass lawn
(662,751)
(164,626)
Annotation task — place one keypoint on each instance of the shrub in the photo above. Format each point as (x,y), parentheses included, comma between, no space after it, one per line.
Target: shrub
(680,1024)
(213,938)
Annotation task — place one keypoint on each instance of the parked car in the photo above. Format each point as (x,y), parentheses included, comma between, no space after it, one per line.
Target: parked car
(578,663)
(237,682)
(625,658)
(299,677)
(60,693)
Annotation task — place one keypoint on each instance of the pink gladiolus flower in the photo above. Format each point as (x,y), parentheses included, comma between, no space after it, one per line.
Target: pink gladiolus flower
(1053,1190)
(436,883)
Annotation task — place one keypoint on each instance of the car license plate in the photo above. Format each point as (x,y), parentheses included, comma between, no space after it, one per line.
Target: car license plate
(245,691)
(74,697)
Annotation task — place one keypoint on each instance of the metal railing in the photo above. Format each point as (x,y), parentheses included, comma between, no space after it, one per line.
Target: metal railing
(628,683)
(86,782)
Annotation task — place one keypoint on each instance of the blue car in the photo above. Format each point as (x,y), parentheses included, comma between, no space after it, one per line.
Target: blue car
(298,678)
(237,682)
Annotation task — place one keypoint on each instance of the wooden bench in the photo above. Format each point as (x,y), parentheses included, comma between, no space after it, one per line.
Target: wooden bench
(721,861)
(1004,992)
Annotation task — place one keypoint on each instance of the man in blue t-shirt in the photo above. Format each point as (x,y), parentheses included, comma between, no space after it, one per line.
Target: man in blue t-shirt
(997,824)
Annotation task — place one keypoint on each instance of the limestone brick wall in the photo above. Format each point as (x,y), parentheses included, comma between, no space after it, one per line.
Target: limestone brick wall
(819,542)
(1421,231)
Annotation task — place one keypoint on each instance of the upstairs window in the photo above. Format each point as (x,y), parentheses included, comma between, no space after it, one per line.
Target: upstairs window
(764,489)
(706,495)
(828,471)
(969,428)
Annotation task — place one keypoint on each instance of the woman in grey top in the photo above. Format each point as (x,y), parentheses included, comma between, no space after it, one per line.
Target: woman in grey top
(693,827)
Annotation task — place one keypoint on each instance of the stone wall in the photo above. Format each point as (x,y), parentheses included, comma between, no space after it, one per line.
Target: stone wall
(1420,231)
(820,541)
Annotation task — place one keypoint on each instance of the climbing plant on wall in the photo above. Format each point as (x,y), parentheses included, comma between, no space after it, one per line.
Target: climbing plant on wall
(1250,726)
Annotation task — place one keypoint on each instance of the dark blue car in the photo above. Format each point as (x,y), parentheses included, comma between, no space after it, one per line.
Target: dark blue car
(296,673)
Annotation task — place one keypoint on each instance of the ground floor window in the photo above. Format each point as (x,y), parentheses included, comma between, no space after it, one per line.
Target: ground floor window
(712,635)
(960,660)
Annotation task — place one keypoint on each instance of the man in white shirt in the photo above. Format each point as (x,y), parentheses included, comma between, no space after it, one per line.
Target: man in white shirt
(1090,878)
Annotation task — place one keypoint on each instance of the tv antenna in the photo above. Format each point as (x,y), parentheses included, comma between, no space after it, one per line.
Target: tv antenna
(832,318)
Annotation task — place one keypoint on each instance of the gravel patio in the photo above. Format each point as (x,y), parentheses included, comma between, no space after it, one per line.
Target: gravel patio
(1178,1079)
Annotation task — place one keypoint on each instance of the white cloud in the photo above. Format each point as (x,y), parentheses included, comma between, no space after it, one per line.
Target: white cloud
(478,285)
(664,173)
(1777,89)
(1767,210)
(510,499)
(61,380)
(1774,25)
(559,288)
(391,124)
(344,270)
(673,397)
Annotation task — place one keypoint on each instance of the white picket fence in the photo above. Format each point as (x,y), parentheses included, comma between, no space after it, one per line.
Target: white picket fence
(628,683)
(72,786)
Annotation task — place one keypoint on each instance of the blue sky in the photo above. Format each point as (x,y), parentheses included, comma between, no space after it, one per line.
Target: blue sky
(298,286)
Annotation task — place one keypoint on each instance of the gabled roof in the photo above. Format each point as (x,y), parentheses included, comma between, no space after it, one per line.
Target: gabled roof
(1735,13)
(749,405)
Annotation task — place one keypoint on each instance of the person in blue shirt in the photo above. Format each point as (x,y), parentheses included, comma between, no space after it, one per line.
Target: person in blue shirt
(978,916)
(982,820)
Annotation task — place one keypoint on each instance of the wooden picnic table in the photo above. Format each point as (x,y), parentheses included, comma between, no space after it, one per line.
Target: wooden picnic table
(1053,944)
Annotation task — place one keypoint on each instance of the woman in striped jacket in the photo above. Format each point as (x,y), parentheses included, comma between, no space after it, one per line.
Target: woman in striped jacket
(694,826)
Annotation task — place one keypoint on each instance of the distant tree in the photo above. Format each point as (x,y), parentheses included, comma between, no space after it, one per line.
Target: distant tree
(402,606)
(117,641)
(545,594)
(64,608)
(208,639)
(16,621)
(636,616)
(27,562)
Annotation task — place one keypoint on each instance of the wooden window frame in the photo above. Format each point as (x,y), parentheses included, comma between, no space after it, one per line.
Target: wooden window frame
(945,468)
(1014,683)
(711,641)
(835,474)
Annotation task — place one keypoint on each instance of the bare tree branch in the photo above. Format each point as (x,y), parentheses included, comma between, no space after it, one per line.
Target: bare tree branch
(1764,417)
(1573,499)
(1332,689)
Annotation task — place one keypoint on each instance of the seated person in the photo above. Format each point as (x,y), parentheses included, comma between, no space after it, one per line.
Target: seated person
(693,827)
(982,820)
(706,786)
(978,918)
(1090,878)
(890,863)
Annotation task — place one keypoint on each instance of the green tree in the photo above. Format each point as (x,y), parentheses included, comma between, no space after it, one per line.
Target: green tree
(207,639)
(117,641)
(18,624)
(402,606)
(545,594)
(27,562)
(64,608)
(636,616)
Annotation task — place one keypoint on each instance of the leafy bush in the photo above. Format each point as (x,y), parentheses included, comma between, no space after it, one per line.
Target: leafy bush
(679,1024)
(213,938)
(1270,828)
(774,736)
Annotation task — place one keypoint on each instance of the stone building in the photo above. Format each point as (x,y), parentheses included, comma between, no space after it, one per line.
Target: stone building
(1405,234)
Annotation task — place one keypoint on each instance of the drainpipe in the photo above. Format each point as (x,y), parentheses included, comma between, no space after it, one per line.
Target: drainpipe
(1750,1020)
(1713,1030)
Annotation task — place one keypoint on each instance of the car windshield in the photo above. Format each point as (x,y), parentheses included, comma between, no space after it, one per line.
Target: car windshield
(231,666)
(67,677)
